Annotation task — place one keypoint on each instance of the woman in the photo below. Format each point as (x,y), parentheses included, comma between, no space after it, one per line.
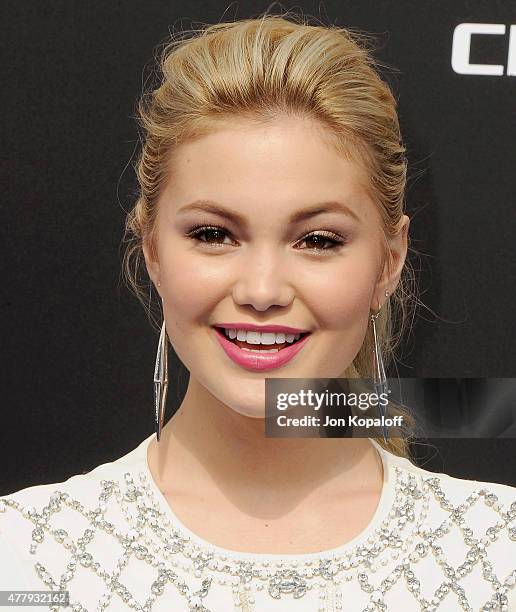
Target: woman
(272,183)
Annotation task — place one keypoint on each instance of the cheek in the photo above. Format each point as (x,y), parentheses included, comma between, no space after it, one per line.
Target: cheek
(346,304)
(191,290)
(342,299)
(186,288)
(185,280)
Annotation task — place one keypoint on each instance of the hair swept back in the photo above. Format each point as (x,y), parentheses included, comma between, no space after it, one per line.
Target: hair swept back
(257,69)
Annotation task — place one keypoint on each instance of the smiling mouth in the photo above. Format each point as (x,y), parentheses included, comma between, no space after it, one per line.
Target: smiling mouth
(260,347)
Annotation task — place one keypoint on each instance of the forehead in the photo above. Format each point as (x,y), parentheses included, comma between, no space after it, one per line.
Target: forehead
(274,168)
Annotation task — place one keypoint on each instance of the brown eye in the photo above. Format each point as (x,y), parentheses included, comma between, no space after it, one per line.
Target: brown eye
(212,235)
(317,240)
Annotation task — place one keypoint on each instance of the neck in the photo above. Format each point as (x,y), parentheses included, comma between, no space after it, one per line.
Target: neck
(210,447)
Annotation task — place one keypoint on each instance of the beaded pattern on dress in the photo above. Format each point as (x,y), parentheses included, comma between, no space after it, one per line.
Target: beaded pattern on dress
(388,557)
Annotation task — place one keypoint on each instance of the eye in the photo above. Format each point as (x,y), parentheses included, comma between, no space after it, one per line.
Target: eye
(321,238)
(212,232)
(214,235)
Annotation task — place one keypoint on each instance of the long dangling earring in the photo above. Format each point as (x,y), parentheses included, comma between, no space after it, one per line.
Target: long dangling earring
(160,379)
(379,378)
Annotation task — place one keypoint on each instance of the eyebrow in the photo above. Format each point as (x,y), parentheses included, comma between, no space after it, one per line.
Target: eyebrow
(300,215)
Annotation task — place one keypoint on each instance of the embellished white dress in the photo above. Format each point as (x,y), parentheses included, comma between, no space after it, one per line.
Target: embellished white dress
(111,540)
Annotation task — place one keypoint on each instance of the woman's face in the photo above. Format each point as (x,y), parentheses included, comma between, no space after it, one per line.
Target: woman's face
(264,269)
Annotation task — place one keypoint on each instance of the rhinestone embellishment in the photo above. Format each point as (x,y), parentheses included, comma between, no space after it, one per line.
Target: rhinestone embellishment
(399,543)
(287,581)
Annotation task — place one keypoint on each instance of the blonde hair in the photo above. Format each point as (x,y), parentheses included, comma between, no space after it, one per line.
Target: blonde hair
(256,69)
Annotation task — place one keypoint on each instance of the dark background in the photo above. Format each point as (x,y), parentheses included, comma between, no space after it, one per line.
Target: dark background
(77,349)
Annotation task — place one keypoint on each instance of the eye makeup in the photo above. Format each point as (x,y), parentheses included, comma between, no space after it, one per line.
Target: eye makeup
(321,238)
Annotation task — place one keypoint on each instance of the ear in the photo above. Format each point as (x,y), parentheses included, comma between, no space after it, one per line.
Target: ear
(394,262)
(151,262)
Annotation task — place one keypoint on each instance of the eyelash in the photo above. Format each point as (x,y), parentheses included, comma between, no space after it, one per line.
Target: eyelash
(336,240)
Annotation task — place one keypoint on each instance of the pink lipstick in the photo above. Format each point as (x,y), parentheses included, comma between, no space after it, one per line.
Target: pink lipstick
(260,362)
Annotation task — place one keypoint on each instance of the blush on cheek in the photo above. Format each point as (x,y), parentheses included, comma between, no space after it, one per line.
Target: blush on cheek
(342,297)
(190,296)
(183,292)
(189,284)
(348,307)
(344,316)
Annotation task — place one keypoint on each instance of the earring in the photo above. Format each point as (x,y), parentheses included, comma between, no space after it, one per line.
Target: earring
(160,381)
(379,378)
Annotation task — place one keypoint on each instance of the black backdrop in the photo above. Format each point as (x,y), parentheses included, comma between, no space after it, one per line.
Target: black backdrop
(77,349)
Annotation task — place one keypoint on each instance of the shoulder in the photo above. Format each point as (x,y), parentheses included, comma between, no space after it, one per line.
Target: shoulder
(450,490)
(486,510)
(41,525)
(87,486)
(467,530)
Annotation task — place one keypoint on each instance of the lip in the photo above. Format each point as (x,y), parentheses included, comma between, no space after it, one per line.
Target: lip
(255,361)
(263,328)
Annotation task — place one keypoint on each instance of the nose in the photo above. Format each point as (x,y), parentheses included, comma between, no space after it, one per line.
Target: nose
(263,281)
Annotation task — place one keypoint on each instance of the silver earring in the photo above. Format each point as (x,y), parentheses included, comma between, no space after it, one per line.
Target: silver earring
(160,381)
(379,379)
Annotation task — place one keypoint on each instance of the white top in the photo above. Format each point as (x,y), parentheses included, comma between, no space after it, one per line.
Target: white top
(110,538)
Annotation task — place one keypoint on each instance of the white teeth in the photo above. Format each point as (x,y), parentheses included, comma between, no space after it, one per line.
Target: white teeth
(260,351)
(265,337)
(254,337)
